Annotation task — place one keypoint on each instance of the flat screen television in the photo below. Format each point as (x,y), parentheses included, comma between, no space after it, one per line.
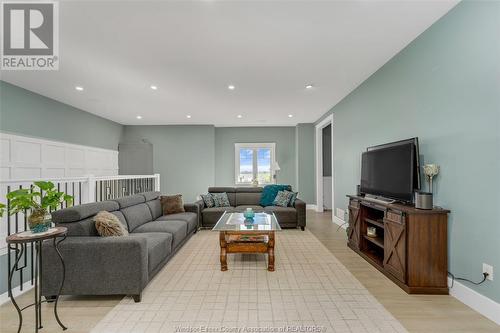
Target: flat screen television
(391,170)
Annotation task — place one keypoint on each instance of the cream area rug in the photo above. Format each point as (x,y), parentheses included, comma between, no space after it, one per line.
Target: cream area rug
(309,291)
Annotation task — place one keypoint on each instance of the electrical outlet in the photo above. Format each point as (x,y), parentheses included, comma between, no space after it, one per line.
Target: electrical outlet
(340,213)
(488,269)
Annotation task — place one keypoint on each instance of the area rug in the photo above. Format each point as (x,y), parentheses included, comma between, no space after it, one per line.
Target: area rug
(309,291)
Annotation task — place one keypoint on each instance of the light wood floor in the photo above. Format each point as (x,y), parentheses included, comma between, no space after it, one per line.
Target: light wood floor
(418,313)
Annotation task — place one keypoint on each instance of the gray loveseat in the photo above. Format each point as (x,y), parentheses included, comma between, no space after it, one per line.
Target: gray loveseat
(241,198)
(115,265)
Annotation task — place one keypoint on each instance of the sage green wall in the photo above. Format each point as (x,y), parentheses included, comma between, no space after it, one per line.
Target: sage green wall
(182,155)
(27,113)
(306,182)
(444,88)
(192,158)
(226,137)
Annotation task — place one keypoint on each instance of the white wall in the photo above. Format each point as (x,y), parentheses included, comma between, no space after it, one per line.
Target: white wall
(23,157)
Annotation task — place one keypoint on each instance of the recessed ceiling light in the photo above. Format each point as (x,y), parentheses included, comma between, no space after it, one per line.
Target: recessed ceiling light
(239,116)
(309,86)
(79,88)
(139,117)
(290,115)
(154,87)
(231,87)
(188,116)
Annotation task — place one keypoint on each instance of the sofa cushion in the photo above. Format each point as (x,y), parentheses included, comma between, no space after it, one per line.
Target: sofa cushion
(172,204)
(208,200)
(130,200)
(283,214)
(108,225)
(77,213)
(155,208)
(269,193)
(293,198)
(242,208)
(121,218)
(283,198)
(148,196)
(85,227)
(221,199)
(159,245)
(249,189)
(137,215)
(190,218)
(177,228)
(248,198)
(230,191)
(212,215)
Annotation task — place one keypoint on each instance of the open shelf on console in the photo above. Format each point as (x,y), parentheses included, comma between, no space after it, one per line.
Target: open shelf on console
(379,241)
(378,223)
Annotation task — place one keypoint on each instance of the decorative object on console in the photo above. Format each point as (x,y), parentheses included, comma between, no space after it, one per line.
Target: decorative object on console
(38,202)
(430,171)
(255,182)
(172,204)
(371,232)
(423,200)
(108,225)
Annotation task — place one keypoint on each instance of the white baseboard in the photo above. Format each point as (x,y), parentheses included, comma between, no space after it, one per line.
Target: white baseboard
(482,304)
(311,206)
(4,298)
(338,221)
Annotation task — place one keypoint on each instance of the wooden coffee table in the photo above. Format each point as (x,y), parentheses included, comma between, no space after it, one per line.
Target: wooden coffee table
(237,235)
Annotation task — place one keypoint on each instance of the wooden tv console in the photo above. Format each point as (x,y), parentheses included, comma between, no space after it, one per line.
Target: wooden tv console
(411,246)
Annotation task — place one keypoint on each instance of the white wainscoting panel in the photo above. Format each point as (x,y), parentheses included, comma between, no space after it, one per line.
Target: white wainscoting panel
(23,157)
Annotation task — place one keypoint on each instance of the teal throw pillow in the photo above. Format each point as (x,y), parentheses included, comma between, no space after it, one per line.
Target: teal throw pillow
(270,192)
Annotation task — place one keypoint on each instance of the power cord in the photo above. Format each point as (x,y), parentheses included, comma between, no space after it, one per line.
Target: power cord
(453,278)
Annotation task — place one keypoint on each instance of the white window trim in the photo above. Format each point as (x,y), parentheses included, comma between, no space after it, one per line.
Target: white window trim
(238,146)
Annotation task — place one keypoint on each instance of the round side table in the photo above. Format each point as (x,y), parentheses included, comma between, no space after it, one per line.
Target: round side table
(24,238)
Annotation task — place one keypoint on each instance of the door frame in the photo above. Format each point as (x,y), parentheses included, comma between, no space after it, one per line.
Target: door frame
(319,164)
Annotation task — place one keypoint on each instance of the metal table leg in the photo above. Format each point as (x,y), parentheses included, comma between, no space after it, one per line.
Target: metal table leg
(56,246)
(19,254)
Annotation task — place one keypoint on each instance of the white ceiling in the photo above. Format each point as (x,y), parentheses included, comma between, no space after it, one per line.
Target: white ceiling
(193,50)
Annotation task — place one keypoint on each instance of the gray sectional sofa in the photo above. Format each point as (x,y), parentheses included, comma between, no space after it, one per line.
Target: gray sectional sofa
(115,265)
(241,198)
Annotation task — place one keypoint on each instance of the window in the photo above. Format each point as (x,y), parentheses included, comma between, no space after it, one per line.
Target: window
(254,161)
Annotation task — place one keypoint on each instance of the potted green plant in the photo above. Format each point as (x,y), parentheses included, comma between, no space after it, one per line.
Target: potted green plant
(37,203)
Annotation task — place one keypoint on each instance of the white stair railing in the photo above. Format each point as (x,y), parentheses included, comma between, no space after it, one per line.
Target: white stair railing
(83,189)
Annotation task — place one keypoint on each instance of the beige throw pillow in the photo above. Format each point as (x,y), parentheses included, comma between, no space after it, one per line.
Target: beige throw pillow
(108,225)
(172,204)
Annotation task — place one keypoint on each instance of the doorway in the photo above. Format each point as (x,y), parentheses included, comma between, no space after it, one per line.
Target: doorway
(324,165)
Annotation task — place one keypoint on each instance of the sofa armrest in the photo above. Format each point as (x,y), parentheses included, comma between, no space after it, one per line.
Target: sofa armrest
(96,266)
(300,206)
(195,207)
